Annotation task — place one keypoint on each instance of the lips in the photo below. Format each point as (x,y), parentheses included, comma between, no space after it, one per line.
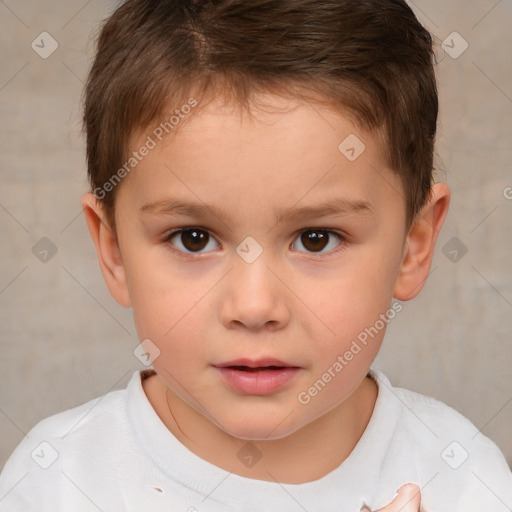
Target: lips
(250,369)
(255,365)
(257,377)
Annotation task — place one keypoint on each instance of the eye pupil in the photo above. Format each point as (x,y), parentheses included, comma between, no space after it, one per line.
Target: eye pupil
(193,239)
(314,240)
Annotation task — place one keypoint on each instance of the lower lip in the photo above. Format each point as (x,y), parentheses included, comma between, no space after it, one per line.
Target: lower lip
(261,382)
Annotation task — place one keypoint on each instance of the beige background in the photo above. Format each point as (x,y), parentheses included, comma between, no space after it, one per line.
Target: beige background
(64,340)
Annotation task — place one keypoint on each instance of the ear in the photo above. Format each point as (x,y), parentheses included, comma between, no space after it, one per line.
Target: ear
(107,248)
(420,244)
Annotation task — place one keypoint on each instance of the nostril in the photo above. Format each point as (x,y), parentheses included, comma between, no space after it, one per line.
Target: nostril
(157,489)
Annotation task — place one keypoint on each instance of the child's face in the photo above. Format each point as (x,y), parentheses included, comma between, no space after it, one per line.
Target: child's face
(302,301)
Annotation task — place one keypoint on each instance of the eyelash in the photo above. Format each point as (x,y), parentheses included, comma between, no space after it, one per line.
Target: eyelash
(169,236)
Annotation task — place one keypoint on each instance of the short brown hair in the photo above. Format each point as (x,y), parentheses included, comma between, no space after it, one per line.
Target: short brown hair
(371,58)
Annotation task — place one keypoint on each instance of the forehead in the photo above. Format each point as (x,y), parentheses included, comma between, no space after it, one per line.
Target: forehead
(281,152)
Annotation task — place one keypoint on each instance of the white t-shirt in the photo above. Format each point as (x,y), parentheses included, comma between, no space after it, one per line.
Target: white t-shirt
(114,454)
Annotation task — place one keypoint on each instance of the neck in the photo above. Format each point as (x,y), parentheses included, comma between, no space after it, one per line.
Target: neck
(324,443)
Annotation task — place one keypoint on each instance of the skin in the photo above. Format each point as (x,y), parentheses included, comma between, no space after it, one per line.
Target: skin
(201,309)
(407,500)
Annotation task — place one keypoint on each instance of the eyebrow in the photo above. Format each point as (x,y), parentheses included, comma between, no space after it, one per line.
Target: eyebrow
(334,206)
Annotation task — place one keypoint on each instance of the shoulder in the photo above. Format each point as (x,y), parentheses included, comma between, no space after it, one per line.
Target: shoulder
(46,458)
(431,418)
(450,453)
(428,414)
(94,418)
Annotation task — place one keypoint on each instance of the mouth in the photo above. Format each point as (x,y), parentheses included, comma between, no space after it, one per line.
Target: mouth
(250,365)
(255,369)
(257,377)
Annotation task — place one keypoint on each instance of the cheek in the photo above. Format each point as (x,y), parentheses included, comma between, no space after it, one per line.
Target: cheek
(353,299)
(161,306)
(172,312)
(156,284)
(352,305)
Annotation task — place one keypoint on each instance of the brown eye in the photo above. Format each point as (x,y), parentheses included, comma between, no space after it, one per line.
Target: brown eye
(315,240)
(191,239)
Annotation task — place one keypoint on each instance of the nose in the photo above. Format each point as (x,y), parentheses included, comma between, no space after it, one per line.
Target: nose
(254,297)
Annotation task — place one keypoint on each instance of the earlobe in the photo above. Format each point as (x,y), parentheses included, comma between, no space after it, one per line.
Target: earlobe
(107,247)
(420,244)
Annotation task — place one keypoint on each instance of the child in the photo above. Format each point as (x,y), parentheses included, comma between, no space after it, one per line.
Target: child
(262,197)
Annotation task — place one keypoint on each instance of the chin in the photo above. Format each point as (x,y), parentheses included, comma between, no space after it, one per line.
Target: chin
(261,428)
